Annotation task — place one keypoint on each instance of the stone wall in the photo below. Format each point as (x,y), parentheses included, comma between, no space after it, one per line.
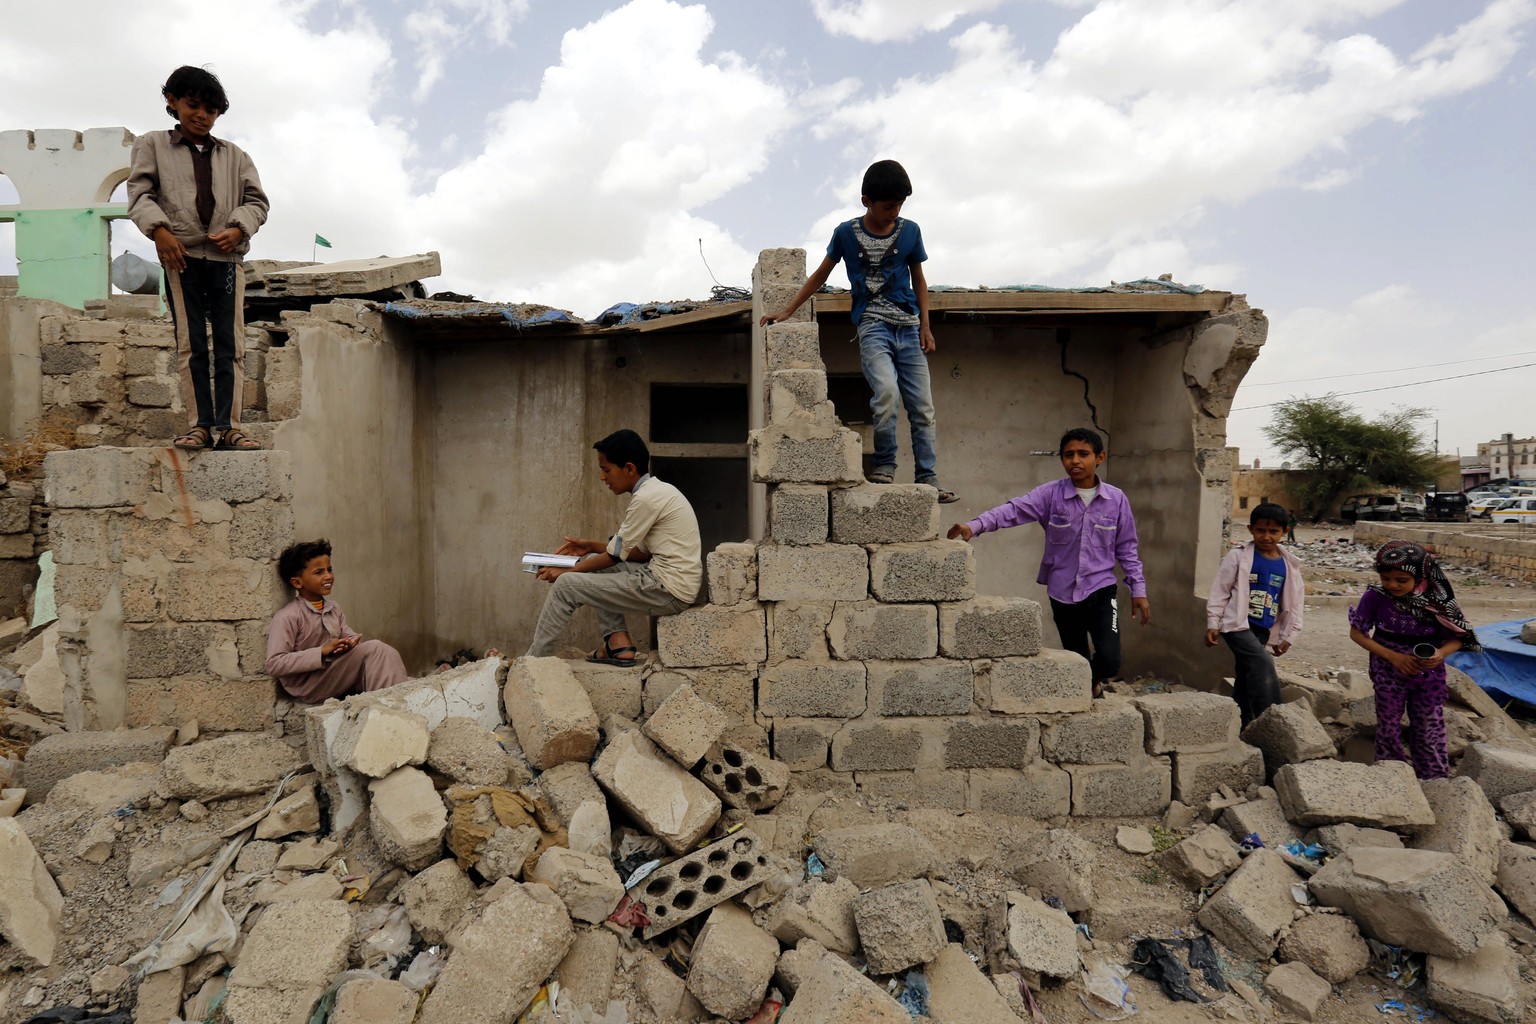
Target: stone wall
(165,582)
(1507,549)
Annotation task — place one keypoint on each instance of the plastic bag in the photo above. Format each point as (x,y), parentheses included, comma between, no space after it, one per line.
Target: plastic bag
(914,994)
(1107,984)
(390,939)
(424,969)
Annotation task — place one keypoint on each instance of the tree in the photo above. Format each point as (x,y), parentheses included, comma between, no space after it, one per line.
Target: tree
(1339,450)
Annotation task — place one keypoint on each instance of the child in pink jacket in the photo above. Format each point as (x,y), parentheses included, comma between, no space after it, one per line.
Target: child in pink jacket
(1256,607)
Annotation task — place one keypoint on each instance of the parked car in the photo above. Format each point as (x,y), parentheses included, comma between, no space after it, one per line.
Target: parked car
(1515,510)
(1411,506)
(1446,507)
(1479,508)
(1370,507)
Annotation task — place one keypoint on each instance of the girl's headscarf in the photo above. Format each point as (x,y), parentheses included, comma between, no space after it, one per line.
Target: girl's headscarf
(1431,599)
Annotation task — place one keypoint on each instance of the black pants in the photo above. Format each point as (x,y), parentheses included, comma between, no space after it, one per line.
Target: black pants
(1096,618)
(209,294)
(1255,685)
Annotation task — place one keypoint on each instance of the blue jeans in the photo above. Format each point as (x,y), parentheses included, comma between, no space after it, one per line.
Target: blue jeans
(895,366)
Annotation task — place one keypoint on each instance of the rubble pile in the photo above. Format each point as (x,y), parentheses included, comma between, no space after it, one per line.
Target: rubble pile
(478,845)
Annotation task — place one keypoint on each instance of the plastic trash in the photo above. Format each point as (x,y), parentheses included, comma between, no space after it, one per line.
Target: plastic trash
(770,1010)
(814,868)
(424,969)
(1202,955)
(641,873)
(1156,960)
(914,994)
(390,939)
(1110,990)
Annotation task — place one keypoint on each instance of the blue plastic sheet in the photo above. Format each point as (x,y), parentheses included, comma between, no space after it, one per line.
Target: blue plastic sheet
(1505,667)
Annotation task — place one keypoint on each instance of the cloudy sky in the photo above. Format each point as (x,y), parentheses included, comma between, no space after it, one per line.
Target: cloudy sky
(1361,169)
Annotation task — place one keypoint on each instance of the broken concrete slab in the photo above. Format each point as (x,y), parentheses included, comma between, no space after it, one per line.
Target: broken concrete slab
(288,959)
(1041,939)
(376,739)
(819,910)
(794,964)
(685,725)
(587,972)
(481,983)
(1059,863)
(1420,899)
(1329,944)
(1247,913)
(1483,987)
(1188,722)
(1517,877)
(30,902)
(1520,811)
(308,854)
(662,996)
(1295,990)
(899,926)
(353,277)
(1198,774)
(1465,825)
(1289,734)
(1381,795)
(833,991)
(577,799)
(958,993)
(407,819)
(586,883)
(373,1001)
(733,962)
(157,1000)
(58,757)
(668,802)
(551,712)
(467,752)
(1338,838)
(871,855)
(1262,817)
(436,899)
(1501,771)
(1202,858)
(234,765)
(297,812)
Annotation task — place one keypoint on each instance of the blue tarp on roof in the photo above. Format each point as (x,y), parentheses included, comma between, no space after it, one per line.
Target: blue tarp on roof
(517,315)
(1505,667)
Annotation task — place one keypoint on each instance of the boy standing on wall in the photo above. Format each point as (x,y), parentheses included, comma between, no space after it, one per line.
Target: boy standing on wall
(1089,527)
(883,254)
(200,200)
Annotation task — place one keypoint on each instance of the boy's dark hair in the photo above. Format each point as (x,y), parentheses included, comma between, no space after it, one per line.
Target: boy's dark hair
(1269,510)
(190,83)
(623,447)
(1089,437)
(886,180)
(296,556)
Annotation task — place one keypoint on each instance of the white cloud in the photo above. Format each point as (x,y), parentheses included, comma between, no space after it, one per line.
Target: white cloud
(885,21)
(437,27)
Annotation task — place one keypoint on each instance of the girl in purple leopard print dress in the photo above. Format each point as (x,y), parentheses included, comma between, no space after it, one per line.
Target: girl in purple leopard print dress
(1417,623)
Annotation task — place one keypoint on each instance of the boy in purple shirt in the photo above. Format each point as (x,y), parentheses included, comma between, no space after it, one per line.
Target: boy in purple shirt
(1088,528)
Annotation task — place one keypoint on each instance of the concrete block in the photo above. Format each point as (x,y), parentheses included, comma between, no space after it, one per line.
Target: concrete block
(882,746)
(172,650)
(1120,790)
(1040,938)
(247,477)
(54,758)
(1420,899)
(1247,914)
(871,855)
(990,627)
(1052,682)
(1520,811)
(899,926)
(374,1001)
(1197,776)
(260,531)
(238,589)
(217,705)
(480,983)
(861,630)
(801,689)
(436,899)
(898,688)
(797,630)
(1329,944)
(576,798)
(802,743)
(1188,722)
(287,960)
(1295,990)
(407,819)
(226,766)
(798,396)
(1484,986)
(1517,878)
(158,997)
(353,277)
(959,992)
(733,961)
(586,883)
(32,908)
(793,346)
(939,570)
(833,991)
(99,477)
(808,453)
(550,711)
(668,802)
(693,883)
(611,689)
(16,516)
(819,572)
(1289,734)
(732,688)
(1111,731)
(919,788)
(662,996)
(710,635)
(797,514)
(742,779)
(1326,699)
(685,725)
(991,742)
(1263,817)
(820,911)
(731,570)
(1338,838)
(296,813)
(1058,863)
(1465,825)
(1382,795)
(1501,771)
(375,740)
(1202,858)
(1040,791)
(467,752)
(587,972)
(885,514)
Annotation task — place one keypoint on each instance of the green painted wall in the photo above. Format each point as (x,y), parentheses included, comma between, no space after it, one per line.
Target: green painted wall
(64,255)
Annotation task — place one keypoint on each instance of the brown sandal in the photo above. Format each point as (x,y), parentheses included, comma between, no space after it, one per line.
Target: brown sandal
(235,439)
(195,439)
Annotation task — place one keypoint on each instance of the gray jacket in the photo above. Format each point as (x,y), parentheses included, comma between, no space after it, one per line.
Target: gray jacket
(162,192)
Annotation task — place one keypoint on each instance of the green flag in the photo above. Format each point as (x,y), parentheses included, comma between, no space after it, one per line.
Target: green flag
(322,242)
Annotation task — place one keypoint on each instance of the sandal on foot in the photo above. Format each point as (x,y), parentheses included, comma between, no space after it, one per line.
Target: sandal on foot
(880,477)
(947,497)
(609,656)
(194,439)
(236,440)
(1098,691)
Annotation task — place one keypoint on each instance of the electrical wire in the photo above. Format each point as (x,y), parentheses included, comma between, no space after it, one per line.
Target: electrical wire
(1397,369)
(1393,387)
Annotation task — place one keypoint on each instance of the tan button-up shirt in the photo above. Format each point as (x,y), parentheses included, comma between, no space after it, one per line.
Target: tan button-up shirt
(660,520)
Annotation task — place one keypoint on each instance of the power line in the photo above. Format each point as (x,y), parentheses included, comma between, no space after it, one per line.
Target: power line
(1398,369)
(1394,387)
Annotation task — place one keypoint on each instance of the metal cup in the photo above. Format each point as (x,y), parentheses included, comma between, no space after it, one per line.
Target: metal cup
(1424,651)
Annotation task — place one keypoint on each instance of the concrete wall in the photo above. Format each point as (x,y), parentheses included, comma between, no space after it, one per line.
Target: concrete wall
(1506,548)
(21,362)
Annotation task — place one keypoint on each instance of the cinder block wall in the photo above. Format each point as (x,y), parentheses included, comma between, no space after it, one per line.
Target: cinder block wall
(166,580)
(23,536)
